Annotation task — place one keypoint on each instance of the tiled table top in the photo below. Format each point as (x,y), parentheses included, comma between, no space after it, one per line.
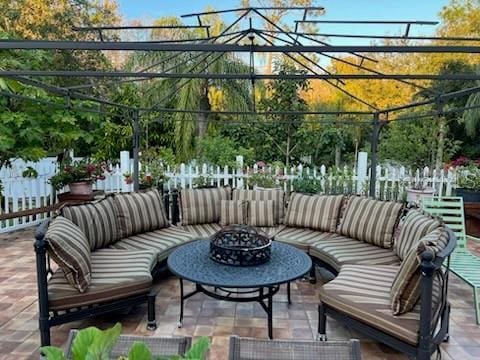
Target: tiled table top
(19,338)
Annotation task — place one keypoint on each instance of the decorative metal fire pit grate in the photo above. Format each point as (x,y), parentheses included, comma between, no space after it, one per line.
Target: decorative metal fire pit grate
(240,245)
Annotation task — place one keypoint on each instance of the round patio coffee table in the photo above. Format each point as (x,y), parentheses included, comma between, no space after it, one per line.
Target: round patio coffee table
(237,283)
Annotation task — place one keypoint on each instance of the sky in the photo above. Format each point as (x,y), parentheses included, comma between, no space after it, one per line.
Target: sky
(147,10)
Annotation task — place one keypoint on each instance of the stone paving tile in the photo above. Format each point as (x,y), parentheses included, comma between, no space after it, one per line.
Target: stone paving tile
(19,338)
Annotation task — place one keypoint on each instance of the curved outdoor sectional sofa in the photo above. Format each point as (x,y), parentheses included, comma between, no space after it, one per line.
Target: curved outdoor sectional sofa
(386,258)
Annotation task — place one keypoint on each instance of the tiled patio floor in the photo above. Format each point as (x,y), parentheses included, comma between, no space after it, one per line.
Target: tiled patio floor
(19,338)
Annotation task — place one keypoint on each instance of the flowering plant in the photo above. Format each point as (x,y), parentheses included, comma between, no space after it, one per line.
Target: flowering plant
(79,171)
(468,173)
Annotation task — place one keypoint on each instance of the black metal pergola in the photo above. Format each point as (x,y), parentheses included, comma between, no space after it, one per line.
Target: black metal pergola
(306,49)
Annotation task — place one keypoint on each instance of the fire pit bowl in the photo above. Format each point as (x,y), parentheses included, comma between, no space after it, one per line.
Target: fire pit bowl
(240,245)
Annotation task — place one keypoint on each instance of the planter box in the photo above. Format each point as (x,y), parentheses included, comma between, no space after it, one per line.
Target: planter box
(472,218)
(469,196)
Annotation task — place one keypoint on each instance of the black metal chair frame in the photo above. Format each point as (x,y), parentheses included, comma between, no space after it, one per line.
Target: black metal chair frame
(48,318)
(429,339)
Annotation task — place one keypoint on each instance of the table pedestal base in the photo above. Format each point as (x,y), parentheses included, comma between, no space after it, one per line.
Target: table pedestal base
(262,295)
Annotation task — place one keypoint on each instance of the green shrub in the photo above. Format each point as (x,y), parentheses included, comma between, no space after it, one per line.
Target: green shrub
(95,344)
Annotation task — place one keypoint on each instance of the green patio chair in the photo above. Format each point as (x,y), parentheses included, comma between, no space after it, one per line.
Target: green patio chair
(462,262)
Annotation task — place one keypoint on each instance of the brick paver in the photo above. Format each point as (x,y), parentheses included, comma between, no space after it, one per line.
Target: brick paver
(19,338)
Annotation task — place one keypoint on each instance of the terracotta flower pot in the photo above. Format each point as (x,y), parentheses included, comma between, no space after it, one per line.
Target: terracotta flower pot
(81,188)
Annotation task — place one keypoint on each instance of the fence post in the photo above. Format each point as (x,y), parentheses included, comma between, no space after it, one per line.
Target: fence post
(239,161)
(124,168)
(362,171)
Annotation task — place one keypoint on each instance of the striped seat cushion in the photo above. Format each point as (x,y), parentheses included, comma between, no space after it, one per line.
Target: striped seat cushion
(276,195)
(69,248)
(116,274)
(140,212)
(406,286)
(233,212)
(202,231)
(318,212)
(261,213)
(97,220)
(202,206)
(161,241)
(337,251)
(359,292)
(369,220)
(415,226)
(301,238)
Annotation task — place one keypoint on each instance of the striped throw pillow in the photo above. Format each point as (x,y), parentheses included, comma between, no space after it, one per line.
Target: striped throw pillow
(415,226)
(406,287)
(318,212)
(69,248)
(202,206)
(372,221)
(261,213)
(140,212)
(97,220)
(233,212)
(277,195)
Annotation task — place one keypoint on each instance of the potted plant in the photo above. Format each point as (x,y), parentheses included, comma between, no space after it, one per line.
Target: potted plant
(306,184)
(418,191)
(93,343)
(468,181)
(262,180)
(79,177)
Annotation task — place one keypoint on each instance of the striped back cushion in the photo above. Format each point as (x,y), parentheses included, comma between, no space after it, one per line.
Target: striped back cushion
(140,212)
(415,226)
(318,212)
(97,220)
(202,206)
(233,212)
(69,248)
(372,221)
(406,287)
(276,195)
(261,213)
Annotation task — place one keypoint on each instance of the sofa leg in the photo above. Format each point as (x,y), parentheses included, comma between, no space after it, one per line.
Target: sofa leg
(447,320)
(44,332)
(152,323)
(322,323)
(313,274)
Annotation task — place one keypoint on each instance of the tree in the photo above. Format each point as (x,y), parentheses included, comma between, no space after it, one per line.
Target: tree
(56,20)
(409,143)
(445,121)
(193,94)
(284,95)
(471,117)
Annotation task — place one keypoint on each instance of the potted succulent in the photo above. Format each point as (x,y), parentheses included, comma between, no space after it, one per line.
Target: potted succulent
(79,177)
(468,179)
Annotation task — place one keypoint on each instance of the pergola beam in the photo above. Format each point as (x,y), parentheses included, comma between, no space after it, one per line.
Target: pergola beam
(155,46)
(244,76)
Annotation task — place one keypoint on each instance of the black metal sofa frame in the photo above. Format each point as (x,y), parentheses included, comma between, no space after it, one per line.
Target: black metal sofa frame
(48,318)
(429,339)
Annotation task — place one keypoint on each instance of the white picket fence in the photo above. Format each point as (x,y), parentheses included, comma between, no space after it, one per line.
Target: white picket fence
(21,193)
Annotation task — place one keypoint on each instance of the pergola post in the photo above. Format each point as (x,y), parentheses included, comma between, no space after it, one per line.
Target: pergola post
(136,149)
(377,127)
